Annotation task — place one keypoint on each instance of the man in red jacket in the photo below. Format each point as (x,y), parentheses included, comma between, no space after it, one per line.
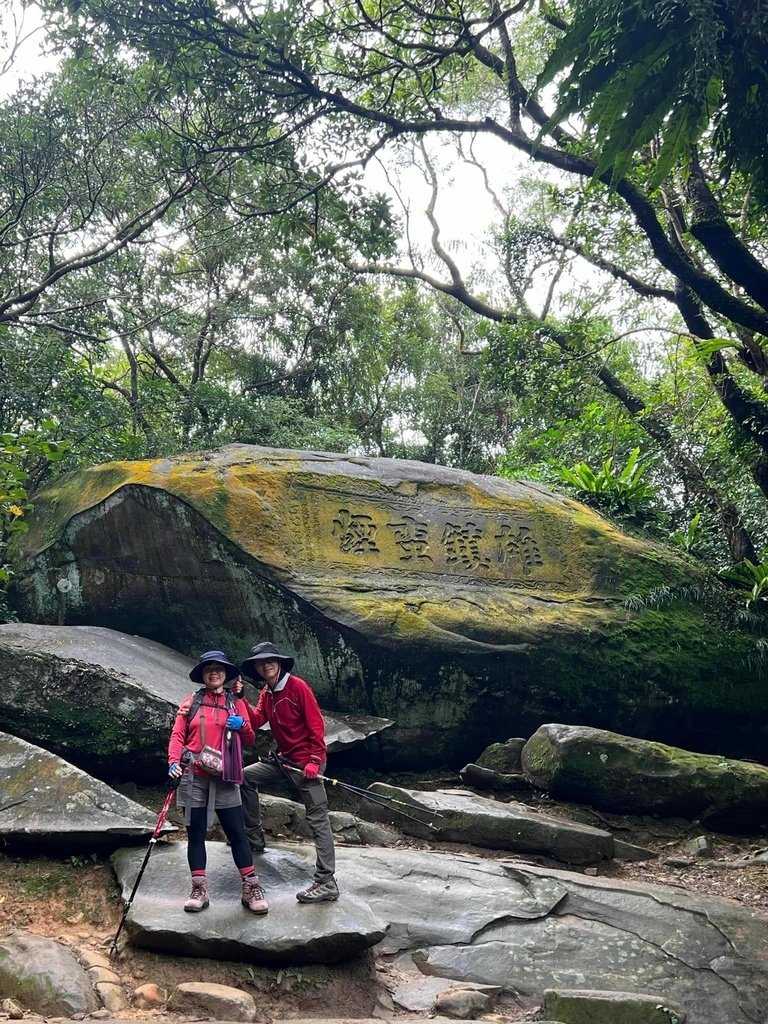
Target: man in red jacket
(290,708)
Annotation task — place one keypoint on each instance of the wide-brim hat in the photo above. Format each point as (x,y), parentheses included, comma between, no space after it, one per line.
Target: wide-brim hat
(220,658)
(265,651)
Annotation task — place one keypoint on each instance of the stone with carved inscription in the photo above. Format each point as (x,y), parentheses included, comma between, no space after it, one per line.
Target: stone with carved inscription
(467,608)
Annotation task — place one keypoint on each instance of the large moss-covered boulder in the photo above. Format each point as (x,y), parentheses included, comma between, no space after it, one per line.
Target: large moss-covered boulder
(628,775)
(467,608)
(503,757)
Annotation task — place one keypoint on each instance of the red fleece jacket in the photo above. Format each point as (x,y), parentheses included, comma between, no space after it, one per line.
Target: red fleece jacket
(186,734)
(295,720)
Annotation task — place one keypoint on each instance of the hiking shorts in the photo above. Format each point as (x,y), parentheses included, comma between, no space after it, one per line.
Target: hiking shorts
(198,792)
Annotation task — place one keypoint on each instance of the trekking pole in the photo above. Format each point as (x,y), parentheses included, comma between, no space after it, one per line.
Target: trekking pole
(173,785)
(381,799)
(368,795)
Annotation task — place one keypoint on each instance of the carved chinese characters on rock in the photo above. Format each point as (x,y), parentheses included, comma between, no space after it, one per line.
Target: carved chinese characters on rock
(461,545)
(412,540)
(356,533)
(516,543)
(461,542)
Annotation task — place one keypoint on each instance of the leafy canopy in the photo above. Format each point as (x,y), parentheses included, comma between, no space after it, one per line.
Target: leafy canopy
(676,69)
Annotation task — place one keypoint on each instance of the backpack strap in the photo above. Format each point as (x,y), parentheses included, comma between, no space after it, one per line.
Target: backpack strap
(199,697)
(197,700)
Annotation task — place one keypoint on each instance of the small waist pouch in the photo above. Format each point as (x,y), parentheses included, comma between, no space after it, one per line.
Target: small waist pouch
(209,759)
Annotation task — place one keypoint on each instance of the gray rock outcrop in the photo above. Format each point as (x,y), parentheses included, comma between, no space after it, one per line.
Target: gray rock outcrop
(222,1002)
(289,817)
(498,768)
(46,802)
(103,699)
(458,919)
(456,816)
(485,778)
(503,758)
(289,934)
(463,1003)
(106,700)
(43,976)
(633,776)
(528,929)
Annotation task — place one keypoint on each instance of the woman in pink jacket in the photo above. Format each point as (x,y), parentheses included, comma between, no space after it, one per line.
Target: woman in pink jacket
(205,747)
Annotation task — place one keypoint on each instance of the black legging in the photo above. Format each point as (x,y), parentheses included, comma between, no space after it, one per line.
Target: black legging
(231,819)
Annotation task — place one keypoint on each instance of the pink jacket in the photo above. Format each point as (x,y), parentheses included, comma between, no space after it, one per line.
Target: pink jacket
(188,735)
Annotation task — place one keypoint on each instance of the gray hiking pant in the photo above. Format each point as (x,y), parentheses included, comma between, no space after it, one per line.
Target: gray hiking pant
(315,802)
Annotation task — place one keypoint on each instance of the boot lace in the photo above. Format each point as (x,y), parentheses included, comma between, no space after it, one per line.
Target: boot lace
(253,889)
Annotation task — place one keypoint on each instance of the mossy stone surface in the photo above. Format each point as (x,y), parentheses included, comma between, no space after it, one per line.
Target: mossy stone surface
(503,757)
(43,976)
(580,1006)
(49,804)
(634,776)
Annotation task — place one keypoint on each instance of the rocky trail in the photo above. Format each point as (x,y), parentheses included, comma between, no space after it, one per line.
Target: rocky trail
(75,901)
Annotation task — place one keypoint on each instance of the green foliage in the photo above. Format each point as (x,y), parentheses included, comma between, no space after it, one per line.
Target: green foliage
(672,70)
(21,454)
(751,579)
(688,539)
(620,489)
(82,860)
(241,319)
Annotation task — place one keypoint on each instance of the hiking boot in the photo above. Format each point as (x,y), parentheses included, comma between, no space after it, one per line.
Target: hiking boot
(256,840)
(319,892)
(253,896)
(198,898)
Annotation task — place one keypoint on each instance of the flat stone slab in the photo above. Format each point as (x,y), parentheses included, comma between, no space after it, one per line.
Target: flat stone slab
(291,933)
(580,1006)
(46,802)
(456,816)
(528,929)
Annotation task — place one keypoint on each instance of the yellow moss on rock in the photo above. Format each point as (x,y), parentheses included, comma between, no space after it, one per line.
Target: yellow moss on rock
(489,561)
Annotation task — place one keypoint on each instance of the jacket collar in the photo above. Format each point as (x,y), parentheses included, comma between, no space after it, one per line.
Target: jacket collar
(281,685)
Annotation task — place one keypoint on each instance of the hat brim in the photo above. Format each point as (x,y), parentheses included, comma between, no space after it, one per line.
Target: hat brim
(248,667)
(196,675)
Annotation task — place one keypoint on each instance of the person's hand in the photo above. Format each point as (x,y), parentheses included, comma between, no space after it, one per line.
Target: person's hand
(174,771)
(311,770)
(185,706)
(237,686)
(235,722)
